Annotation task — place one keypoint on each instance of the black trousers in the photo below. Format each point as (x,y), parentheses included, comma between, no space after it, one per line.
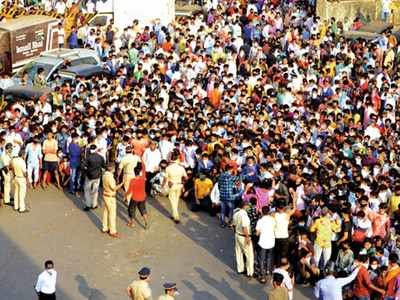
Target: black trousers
(149,177)
(281,250)
(205,205)
(132,208)
(43,296)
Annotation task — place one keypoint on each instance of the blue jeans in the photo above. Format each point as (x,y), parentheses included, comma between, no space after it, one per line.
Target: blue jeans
(226,206)
(388,298)
(362,298)
(385,16)
(265,259)
(74,181)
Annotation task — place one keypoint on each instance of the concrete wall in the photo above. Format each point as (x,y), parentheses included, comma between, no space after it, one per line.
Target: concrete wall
(347,8)
(125,11)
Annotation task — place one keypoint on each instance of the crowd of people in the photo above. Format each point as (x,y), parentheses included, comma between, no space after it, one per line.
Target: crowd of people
(256,111)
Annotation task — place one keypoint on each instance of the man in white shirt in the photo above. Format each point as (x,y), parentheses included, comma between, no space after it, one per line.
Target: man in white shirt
(61,35)
(282,217)
(102,144)
(151,158)
(386,10)
(90,7)
(243,245)
(61,7)
(265,229)
(46,283)
(288,280)
(48,6)
(166,147)
(373,130)
(15,139)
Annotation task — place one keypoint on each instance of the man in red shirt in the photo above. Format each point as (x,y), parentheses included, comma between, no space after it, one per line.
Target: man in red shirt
(362,283)
(136,195)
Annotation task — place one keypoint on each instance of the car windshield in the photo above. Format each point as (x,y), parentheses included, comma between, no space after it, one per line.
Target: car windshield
(32,68)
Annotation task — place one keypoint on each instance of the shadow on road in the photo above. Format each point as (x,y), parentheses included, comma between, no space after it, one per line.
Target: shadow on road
(197,294)
(198,229)
(21,272)
(88,292)
(95,216)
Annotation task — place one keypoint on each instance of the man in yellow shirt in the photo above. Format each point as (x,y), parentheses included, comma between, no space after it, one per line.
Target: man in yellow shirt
(324,229)
(395,199)
(202,189)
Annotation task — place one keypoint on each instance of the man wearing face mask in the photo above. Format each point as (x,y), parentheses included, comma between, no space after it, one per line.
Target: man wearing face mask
(362,283)
(46,284)
(170,291)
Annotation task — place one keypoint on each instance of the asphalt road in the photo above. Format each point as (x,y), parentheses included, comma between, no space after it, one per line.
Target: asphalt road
(196,254)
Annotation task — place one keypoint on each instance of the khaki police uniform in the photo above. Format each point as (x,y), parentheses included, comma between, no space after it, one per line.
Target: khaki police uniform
(110,201)
(127,166)
(241,221)
(7,176)
(140,290)
(18,166)
(175,173)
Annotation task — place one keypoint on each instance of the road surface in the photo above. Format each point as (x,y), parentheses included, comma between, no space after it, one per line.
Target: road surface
(196,254)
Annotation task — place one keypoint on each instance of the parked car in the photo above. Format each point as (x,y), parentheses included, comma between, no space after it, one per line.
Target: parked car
(56,60)
(369,32)
(84,71)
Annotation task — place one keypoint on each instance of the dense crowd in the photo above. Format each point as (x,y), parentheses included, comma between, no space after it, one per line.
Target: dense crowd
(256,111)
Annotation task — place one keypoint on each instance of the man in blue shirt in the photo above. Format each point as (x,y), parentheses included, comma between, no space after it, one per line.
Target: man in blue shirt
(250,170)
(75,161)
(33,157)
(227,185)
(73,39)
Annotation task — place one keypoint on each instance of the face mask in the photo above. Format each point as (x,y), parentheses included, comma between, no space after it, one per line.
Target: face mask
(374,267)
(50,271)
(277,167)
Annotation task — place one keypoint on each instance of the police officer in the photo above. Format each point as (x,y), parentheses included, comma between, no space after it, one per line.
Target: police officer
(18,166)
(6,173)
(110,189)
(126,167)
(243,245)
(170,291)
(175,174)
(140,289)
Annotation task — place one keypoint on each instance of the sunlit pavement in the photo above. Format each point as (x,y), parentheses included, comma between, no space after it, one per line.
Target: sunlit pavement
(197,254)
